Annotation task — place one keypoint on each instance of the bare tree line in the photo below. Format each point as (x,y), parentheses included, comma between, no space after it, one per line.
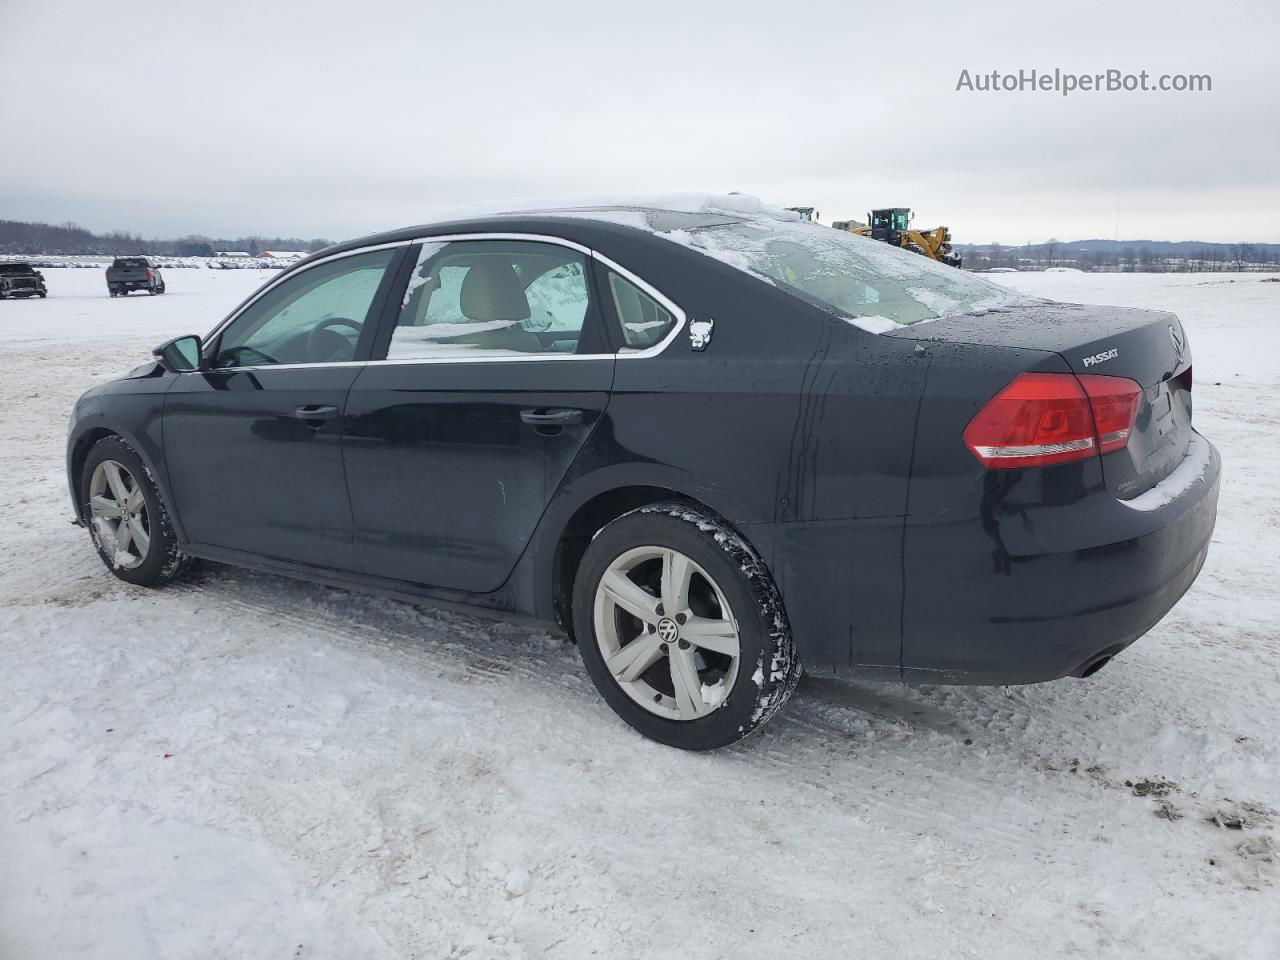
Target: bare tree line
(70,239)
(1139,256)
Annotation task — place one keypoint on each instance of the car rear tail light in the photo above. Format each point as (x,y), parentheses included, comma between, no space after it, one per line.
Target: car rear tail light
(148,274)
(1115,406)
(1046,418)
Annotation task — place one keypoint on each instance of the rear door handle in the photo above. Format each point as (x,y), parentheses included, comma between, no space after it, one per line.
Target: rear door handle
(316,411)
(555,417)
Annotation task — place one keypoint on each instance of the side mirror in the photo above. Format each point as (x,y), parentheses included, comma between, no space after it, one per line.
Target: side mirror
(179,355)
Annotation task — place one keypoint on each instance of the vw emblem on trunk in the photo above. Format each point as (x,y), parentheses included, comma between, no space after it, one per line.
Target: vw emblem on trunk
(1179,344)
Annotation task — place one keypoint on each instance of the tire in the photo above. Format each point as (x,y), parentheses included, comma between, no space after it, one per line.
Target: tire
(157,561)
(42,294)
(732,698)
(153,290)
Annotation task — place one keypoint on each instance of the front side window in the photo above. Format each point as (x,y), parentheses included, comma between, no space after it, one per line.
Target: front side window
(315,316)
(486,298)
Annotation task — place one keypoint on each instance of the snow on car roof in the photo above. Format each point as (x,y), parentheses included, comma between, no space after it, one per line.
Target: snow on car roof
(736,205)
(871,285)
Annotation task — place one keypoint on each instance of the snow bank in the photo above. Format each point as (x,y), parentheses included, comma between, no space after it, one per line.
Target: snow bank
(247,766)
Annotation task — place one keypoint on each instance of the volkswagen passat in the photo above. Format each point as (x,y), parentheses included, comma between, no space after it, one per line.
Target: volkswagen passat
(708,440)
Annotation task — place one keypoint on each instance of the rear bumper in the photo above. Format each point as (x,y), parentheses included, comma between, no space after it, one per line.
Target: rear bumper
(998,596)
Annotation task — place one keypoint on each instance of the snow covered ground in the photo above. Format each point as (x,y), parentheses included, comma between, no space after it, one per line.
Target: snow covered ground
(245,766)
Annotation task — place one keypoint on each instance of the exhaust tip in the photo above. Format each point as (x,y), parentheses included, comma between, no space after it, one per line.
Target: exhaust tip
(1093,666)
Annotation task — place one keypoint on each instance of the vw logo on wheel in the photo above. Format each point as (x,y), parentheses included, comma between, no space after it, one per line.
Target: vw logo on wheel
(667,630)
(1179,342)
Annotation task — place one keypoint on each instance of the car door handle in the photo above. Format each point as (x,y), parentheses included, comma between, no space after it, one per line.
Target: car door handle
(316,411)
(555,417)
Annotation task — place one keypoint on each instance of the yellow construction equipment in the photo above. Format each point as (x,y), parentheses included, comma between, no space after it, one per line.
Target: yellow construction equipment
(893,225)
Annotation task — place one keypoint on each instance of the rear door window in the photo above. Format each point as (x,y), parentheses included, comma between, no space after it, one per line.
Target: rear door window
(494,298)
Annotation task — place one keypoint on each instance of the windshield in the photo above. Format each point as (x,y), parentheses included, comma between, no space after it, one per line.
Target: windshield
(881,286)
(130,263)
(12,269)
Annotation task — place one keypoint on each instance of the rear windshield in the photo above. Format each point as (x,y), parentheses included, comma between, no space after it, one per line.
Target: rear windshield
(878,286)
(130,262)
(11,269)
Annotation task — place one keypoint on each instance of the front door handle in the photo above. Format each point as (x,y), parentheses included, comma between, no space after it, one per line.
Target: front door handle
(316,413)
(554,417)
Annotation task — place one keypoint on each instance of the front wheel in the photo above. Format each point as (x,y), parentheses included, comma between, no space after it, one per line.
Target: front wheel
(681,628)
(126,517)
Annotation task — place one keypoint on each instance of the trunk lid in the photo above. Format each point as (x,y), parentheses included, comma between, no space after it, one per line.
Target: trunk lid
(1148,346)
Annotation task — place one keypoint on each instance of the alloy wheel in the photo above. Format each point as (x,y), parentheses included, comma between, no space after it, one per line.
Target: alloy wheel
(666,633)
(119,518)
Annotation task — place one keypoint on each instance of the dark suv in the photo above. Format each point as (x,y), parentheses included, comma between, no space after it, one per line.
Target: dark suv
(21,280)
(708,442)
(127,274)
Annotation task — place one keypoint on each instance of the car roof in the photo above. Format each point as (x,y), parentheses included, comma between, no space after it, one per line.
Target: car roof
(590,223)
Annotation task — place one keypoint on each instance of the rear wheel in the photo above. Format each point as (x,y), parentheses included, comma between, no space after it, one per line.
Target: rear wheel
(126,517)
(682,629)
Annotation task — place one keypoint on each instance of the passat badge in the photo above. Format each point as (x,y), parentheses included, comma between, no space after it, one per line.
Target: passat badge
(1102,357)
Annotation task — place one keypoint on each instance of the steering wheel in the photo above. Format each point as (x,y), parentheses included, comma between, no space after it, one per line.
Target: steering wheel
(235,356)
(324,344)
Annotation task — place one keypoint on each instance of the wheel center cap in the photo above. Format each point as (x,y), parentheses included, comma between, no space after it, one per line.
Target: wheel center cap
(667,630)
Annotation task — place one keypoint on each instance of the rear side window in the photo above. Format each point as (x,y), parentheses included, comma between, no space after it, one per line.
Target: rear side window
(645,322)
(492,298)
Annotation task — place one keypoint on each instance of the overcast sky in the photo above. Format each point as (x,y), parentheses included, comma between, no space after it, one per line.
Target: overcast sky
(336,119)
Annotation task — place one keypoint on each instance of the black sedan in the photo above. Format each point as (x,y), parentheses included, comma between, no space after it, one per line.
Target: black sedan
(709,441)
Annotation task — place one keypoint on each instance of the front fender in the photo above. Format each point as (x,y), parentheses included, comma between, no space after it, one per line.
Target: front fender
(132,410)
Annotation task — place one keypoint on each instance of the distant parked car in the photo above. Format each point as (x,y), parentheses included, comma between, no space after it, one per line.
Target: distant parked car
(134,273)
(21,280)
